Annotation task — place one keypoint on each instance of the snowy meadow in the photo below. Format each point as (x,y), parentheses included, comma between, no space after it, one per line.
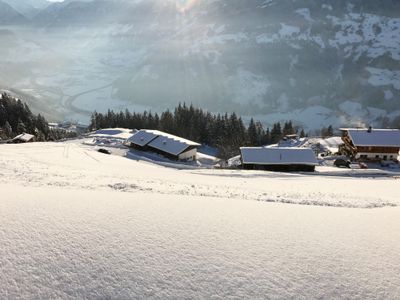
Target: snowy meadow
(78,224)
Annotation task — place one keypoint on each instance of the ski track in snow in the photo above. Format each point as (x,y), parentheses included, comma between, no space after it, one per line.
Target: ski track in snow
(72,165)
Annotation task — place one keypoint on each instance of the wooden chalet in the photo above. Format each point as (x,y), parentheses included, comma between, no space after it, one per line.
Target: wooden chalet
(23,138)
(290,159)
(168,145)
(371,144)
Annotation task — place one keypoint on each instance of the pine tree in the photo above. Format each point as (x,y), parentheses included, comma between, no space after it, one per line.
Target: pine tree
(288,128)
(266,140)
(167,123)
(93,121)
(21,128)
(252,133)
(330,130)
(327,132)
(260,133)
(7,130)
(276,133)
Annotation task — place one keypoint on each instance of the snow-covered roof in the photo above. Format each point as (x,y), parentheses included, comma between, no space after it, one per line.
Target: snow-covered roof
(114,133)
(289,142)
(143,137)
(170,145)
(278,156)
(25,137)
(374,137)
(333,141)
(162,141)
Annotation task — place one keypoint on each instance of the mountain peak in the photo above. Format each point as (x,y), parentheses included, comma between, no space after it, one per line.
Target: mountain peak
(9,15)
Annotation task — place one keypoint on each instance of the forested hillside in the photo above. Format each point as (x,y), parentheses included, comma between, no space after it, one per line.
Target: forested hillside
(17,118)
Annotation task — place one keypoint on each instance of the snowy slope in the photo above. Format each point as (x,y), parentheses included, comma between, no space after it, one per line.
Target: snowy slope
(79,224)
(74,165)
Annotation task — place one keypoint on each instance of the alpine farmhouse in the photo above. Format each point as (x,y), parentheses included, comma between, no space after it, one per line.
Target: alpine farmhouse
(168,145)
(371,144)
(283,159)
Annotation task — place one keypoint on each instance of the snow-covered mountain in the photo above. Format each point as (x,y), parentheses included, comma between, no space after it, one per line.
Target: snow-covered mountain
(316,62)
(9,15)
(28,8)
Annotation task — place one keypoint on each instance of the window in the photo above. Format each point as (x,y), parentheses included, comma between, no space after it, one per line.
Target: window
(376,156)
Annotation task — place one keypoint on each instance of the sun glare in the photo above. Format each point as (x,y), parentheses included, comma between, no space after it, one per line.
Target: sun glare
(184,6)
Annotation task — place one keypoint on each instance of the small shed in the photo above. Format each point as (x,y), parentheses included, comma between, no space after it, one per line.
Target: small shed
(23,138)
(168,145)
(281,159)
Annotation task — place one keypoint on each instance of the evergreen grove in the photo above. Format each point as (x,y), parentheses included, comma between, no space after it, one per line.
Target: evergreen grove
(226,132)
(17,118)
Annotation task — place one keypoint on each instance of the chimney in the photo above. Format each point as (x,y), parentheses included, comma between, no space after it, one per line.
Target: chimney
(369,129)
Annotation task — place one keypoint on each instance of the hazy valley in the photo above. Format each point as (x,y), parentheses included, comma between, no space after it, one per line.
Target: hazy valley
(315,62)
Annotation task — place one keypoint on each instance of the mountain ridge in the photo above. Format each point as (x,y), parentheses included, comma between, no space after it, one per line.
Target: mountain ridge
(9,15)
(257,58)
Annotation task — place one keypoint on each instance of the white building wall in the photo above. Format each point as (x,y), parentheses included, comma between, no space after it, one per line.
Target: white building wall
(189,155)
(389,156)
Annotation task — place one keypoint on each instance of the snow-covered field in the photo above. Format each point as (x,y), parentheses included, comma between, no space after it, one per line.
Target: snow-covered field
(76,223)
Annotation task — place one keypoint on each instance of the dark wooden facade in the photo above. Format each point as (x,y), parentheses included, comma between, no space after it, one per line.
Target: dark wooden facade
(373,149)
(158,151)
(280,168)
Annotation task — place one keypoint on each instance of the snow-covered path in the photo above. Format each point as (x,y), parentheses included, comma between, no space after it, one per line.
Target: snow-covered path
(77,224)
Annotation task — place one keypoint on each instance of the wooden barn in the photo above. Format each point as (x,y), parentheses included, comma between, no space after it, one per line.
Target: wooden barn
(371,144)
(168,145)
(278,159)
(23,138)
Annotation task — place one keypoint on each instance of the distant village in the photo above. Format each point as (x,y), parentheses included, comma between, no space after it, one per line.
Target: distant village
(358,146)
(221,140)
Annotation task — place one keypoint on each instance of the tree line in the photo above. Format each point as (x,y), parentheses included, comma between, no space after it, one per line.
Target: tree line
(17,118)
(226,132)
